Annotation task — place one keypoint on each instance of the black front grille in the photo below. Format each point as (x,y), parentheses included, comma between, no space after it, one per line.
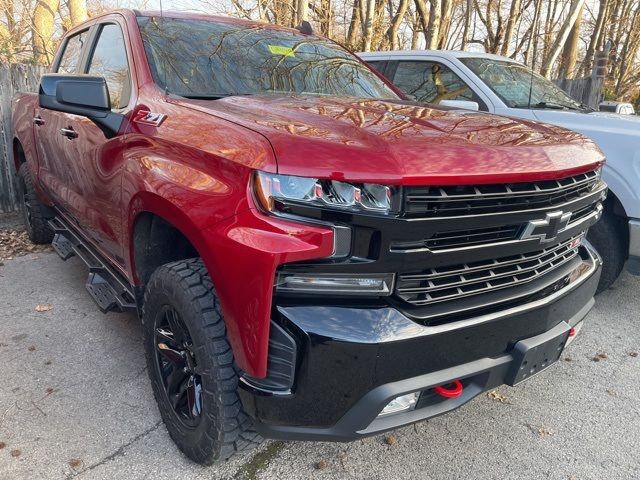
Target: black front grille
(445,201)
(462,238)
(458,281)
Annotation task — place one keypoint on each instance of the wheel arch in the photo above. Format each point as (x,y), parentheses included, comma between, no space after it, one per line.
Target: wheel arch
(158,233)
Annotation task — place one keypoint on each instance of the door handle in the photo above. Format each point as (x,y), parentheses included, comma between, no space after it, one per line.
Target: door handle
(68,132)
(38,121)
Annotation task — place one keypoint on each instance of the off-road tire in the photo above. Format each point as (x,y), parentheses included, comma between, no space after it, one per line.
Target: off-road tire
(609,238)
(224,428)
(35,215)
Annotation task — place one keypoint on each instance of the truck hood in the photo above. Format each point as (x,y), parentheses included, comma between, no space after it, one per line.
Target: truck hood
(403,143)
(588,121)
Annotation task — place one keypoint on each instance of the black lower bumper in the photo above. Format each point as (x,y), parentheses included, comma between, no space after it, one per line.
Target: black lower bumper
(351,362)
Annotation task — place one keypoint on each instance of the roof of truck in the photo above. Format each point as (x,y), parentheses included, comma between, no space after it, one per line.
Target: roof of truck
(128,12)
(440,53)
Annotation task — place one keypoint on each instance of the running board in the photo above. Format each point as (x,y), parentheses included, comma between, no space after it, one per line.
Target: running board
(107,288)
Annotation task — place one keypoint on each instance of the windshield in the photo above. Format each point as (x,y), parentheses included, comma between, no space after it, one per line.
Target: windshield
(519,87)
(208,59)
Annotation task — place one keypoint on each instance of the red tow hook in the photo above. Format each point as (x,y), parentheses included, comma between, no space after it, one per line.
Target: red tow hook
(450,390)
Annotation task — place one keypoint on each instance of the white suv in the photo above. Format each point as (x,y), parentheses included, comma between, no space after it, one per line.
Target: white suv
(501,85)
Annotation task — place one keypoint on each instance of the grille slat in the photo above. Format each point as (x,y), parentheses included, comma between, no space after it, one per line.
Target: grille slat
(451,283)
(478,199)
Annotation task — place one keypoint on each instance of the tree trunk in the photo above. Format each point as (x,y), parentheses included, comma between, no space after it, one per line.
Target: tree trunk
(326,17)
(302,11)
(530,54)
(415,32)
(570,51)
(595,36)
(368,24)
(43,28)
(433,28)
(514,16)
(423,14)
(392,31)
(354,26)
(445,24)
(467,24)
(561,38)
(77,11)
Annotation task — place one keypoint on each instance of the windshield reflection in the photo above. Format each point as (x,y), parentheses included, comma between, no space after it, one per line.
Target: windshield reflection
(214,59)
(520,87)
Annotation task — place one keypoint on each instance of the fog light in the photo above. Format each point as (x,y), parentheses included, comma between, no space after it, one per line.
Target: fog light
(362,284)
(399,404)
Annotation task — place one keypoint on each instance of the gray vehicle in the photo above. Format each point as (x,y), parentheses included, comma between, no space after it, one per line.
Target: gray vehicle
(501,85)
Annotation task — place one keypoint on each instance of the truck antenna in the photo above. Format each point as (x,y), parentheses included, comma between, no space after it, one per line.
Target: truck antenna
(530,89)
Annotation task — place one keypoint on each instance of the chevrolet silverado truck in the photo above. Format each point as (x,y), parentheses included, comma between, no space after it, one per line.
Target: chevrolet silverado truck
(504,86)
(313,255)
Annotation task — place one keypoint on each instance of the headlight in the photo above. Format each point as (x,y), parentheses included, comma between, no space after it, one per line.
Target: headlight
(270,189)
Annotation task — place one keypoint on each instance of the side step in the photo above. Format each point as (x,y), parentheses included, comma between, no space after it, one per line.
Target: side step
(109,289)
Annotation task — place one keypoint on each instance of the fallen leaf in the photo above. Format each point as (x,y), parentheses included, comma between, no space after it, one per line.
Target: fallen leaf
(2,445)
(568,359)
(16,453)
(596,358)
(75,463)
(50,390)
(613,393)
(48,362)
(544,431)
(497,396)
(322,465)
(390,439)
(32,348)
(602,355)
(45,307)
(15,243)
(633,354)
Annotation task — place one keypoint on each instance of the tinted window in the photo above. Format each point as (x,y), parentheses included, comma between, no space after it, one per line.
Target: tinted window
(109,60)
(377,64)
(71,55)
(431,82)
(197,58)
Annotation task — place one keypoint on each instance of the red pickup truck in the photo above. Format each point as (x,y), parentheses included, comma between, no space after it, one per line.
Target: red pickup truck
(313,256)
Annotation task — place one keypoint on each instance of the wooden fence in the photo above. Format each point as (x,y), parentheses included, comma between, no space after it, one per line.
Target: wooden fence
(587,90)
(13,78)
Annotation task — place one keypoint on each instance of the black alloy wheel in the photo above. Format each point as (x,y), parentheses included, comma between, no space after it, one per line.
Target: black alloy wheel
(177,366)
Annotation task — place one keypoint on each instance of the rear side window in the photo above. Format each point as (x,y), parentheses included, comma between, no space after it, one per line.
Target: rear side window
(109,60)
(71,55)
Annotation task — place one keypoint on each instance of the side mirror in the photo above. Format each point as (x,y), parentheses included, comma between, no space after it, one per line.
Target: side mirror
(80,95)
(463,104)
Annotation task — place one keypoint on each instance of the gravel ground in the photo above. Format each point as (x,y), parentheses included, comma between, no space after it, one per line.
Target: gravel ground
(75,401)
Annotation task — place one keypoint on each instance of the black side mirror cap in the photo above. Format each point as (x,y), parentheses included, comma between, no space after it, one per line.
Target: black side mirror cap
(83,95)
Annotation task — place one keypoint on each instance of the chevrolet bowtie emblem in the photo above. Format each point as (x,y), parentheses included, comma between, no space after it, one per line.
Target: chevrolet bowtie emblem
(549,228)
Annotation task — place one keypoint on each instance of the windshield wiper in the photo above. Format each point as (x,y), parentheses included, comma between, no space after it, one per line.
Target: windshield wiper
(205,96)
(554,105)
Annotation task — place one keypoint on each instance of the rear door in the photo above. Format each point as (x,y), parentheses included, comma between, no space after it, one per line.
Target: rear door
(54,175)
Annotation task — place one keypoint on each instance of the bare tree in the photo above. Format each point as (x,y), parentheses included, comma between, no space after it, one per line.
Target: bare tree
(562,35)
(43,30)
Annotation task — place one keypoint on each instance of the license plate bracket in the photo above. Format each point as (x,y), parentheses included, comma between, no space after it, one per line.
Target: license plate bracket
(535,354)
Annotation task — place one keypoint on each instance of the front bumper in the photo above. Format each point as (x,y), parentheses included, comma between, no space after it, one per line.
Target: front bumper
(633,264)
(353,360)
